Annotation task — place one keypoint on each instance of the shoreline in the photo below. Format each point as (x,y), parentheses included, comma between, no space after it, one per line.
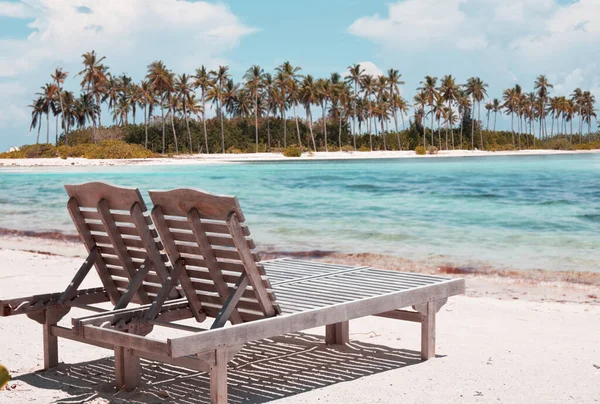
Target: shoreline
(482,280)
(219,158)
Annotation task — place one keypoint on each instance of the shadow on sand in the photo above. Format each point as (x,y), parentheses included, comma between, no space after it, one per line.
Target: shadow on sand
(261,372)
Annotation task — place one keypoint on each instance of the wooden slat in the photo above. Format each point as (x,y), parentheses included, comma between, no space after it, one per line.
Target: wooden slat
(117,198)
(402,315)
(165,290)
(251,269)
(120,218)
(209,225)
(134,285)
(118,244)
(89,243)
(150,245)
(229,306)
(280,325)
(126,241)
(213,266)
(175,256)
(217,240)
(179,202)
(71,290)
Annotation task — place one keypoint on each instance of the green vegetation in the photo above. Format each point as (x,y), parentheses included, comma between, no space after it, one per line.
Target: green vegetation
(261,113)
(292,151)
(420,150)
(107,149)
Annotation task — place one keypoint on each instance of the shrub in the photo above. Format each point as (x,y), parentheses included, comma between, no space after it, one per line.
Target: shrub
(108,149)
(432,150)
(234,150)
(347,148)
(31,152)
(364,148)
(560,144)
(292,151)
(420,150)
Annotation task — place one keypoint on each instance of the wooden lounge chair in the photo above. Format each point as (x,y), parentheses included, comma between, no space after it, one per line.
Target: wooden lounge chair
(212,263)
(207,241)
(114,226)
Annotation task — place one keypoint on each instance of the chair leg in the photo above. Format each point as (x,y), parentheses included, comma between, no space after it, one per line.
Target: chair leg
(218,378)
(338,333)
(127,369)
(50,341)
(132,370)
(428,331)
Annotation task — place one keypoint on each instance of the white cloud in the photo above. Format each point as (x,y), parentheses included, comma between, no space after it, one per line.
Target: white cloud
(131,34)
(411,22)
(472,43)
(371,68)
(15,10)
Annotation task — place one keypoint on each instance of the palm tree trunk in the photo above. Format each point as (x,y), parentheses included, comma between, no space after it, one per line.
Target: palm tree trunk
(383,135)
(146,125)
(495,116)
(37,140)
(298,127)
(324,115)
(187,124)
(354,117)
(48,126)
(431,111)
(204,121)
(340,133)
(268,131)
(284,126)
(162,114)
(62,109)
(222,128)
(256,119)
(56,130)
(512,126)
(439,133)
(461,117)
(310,127)
(472,123)
(479,119)
(173,127)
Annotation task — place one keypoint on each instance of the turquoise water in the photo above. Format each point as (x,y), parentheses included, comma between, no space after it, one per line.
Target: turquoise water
(519,212)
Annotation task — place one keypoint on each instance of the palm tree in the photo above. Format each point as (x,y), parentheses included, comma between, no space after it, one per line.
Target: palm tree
(420,100)
(203,81)
(510,104)
(254,81)
(37,112)
(146,100)
(94,78)
(449,90)
(326,92)
(495,108)
(476,88)
(354,77)
(464,104)
(183,88)
(86,109)
(368,88)
(393,80)
(47,95)
(270,101)
(488,111)
(59,78)
(542,85)
(289,76)
(309,96)
(218,88)
(431,95)
(159,79)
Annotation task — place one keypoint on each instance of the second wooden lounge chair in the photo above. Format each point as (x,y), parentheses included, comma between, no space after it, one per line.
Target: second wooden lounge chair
(212,257)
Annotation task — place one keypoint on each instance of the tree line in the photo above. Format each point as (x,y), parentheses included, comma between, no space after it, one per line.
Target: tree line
(356,106)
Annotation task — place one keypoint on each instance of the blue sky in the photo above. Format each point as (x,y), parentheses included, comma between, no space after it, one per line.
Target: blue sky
(501,41)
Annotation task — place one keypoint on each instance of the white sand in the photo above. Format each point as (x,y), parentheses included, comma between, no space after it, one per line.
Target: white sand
(233,158)
(490,351)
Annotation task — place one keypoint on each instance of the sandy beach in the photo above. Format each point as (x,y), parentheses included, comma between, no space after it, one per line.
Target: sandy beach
(511,339)
(258,157)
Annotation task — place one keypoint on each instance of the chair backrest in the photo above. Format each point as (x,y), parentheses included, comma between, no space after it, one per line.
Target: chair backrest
(207,234)
(115,222)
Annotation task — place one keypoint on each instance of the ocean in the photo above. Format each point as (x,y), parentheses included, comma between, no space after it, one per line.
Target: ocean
(510,212)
